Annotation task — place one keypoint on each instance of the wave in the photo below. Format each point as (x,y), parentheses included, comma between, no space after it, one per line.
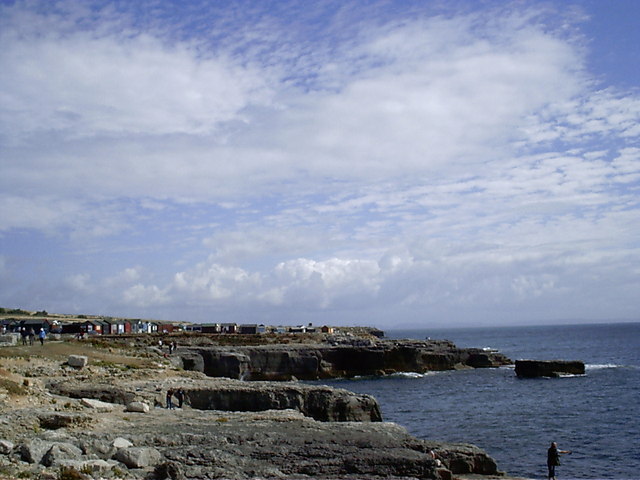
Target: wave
(411,374)
(603,366)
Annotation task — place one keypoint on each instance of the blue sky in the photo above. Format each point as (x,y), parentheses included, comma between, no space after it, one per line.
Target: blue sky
(391,163)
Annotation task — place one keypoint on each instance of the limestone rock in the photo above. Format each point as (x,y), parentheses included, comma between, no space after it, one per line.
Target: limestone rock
(55,420)
(319,402)
(308,362)
(98,405)
(98,447)
(106,392)
(9,340)
(6,447)
(59,452)
(138,407)
(95,466)
(168,471)
(138,457)
(77,361)
(462,458)
(121,443)
(548,368)
(34,449)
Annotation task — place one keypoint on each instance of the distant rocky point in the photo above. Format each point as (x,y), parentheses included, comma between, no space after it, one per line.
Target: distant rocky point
(548,368)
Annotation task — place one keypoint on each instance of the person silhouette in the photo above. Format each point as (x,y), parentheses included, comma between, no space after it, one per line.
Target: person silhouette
(553,459)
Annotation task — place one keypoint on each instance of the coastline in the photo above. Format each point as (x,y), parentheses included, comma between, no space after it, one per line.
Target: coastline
(44,413)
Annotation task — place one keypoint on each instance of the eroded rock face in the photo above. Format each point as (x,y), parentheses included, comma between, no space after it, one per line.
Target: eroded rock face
(320,402)
(105,392)
(548,368)
(463,458)
(309,362)
(198,444)
(227,429)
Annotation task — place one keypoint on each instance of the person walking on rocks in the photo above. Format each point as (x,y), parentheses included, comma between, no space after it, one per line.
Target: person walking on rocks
(42,335)
(169,399)
(553,459)
(32,336)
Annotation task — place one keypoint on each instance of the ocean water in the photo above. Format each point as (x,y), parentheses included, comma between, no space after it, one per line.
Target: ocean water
(596,416)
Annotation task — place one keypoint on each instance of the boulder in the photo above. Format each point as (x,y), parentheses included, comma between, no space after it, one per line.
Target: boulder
(97,467)
(56,420)
(60,452)
(121,443)
(138,407)
(33,450)
(138,457)
(98,405)
(168,471)
(98,447)
(77,361)
(6,447)
(463,458)
(9,340)
(548,368)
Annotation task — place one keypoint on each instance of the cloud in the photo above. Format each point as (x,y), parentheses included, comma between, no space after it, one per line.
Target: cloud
(464,163)
(82,83)
(143,296)
(130,111)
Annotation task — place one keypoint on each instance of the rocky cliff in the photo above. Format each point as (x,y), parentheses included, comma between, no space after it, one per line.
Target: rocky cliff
(317,361)
(100,414)
(320,402)
(108,422)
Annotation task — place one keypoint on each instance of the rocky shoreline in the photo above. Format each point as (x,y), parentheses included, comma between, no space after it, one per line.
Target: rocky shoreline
(347,358)
(107,419)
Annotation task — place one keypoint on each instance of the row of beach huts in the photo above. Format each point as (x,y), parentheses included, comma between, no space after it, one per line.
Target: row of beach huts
(113,326)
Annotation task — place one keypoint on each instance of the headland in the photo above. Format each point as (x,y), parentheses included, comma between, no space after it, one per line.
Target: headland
(96,408)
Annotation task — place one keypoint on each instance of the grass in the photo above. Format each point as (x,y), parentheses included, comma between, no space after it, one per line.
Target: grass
(60,351)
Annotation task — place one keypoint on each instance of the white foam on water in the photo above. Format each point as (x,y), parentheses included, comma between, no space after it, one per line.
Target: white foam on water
(411,374)
(602,366)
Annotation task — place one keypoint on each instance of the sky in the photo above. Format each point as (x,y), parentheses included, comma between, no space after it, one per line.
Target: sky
(392,163)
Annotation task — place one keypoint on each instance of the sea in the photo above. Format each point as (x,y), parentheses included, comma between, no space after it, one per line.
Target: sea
(596,416)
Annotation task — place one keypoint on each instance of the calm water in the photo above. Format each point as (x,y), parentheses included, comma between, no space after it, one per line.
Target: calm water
(597,415)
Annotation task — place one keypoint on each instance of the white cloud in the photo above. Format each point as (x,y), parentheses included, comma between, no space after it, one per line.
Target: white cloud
(80,283)
(144,296)
(86,84)
(212,282)
(410,98)
(460,163)
(127,276)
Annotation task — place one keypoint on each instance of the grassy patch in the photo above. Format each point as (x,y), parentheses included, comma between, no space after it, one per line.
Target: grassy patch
(12,387)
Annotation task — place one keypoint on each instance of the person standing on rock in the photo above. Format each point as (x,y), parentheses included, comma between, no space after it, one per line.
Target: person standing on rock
(169,399)
(180,397)
(553,459)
